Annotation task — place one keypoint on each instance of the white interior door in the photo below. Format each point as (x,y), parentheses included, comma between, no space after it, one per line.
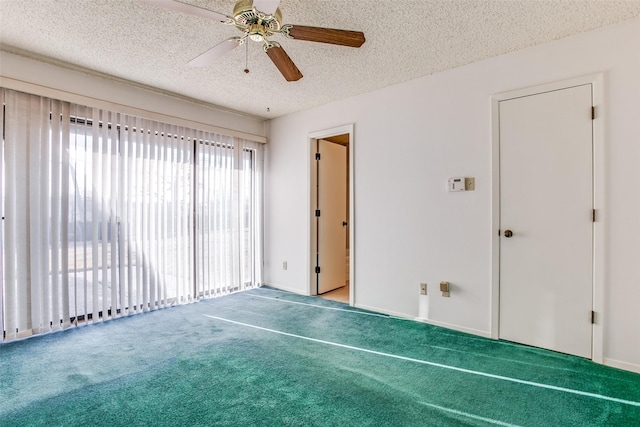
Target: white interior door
(332,204)
(546,223)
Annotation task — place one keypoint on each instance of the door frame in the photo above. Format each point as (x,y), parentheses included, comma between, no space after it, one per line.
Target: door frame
(311,150)
(598,159)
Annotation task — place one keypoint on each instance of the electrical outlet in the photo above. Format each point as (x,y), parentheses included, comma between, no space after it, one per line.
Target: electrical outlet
(284,265)
(469,184)
(423,288)
(445,289)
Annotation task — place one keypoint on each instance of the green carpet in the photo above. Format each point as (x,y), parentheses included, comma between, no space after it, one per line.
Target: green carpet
(298,361)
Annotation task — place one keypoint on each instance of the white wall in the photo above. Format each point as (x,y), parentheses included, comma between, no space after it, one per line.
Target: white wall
(89,89)
(411,137)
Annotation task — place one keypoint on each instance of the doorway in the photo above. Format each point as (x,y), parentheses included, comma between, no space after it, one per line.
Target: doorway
(545,237)
(331,214)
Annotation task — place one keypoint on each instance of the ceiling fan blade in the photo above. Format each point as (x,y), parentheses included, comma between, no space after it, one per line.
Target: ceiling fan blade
(187,8)
(327,35)
(214,53)
(266,6)
(284,63)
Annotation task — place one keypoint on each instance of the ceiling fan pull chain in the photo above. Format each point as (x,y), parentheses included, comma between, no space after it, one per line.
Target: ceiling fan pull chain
(246,59)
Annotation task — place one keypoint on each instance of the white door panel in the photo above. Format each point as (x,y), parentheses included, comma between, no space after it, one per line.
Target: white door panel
(546,201)
(332,203)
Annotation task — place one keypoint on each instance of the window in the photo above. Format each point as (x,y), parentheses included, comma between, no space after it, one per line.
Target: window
(108,215)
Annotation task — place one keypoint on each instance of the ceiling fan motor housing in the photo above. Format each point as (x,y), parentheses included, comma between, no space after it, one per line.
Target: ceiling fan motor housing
(253,22)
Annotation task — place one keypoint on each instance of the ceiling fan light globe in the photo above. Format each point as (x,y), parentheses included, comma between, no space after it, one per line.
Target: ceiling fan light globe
(256,32)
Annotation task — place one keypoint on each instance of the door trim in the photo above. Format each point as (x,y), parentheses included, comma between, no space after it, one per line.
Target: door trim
(596,82)
(311,138)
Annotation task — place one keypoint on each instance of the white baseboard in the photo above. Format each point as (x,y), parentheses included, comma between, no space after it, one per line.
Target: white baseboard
(285,288)
(431,322)
(622,365)
(455,327)
(378,310)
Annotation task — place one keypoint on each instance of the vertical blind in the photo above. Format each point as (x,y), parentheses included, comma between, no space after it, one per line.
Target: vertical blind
(107,215)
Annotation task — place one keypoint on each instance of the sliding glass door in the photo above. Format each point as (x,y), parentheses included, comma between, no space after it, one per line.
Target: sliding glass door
(106,215)
(228,207)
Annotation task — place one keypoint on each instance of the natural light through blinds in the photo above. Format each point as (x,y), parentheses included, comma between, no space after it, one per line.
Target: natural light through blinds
(106,215)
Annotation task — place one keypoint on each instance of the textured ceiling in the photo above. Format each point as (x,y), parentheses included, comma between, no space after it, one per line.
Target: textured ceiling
(406,39)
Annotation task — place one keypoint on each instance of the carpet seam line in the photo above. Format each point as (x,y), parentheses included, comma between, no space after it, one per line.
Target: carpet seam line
(439,365)
(472,416)
(331,308)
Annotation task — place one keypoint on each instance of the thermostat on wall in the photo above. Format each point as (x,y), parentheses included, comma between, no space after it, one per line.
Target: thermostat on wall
(456,183)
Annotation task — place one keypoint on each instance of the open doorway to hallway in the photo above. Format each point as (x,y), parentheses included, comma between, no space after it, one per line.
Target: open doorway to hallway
(330,213)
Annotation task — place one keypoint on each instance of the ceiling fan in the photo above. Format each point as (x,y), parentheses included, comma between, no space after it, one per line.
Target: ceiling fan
(258,20)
